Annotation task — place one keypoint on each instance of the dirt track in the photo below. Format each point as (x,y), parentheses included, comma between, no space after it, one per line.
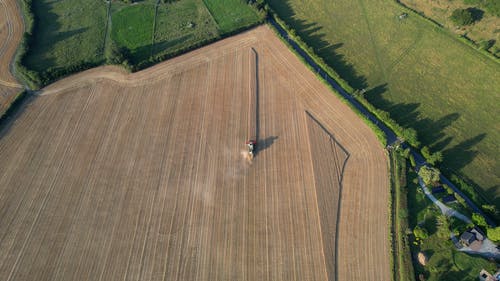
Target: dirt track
(113,176)
(11,31)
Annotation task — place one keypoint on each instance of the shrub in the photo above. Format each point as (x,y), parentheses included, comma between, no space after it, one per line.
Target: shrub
(490,209)
(432,158)
(462,17)
(479,220)
(493,234)
(429,175)
(443,226)
(448,189)
(486,44)
(420,233)
(113,54)
(412,161)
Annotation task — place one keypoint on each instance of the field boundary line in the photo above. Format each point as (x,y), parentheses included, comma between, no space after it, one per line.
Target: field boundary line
(108,24)
(211,14)
(405,52)
(372,39)
(339,177)
(153,34)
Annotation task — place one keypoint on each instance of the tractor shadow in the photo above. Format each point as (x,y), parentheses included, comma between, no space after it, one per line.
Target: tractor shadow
(266,143)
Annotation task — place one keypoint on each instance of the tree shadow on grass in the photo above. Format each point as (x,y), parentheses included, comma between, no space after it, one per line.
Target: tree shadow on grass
(430,131)
(464,152)
(477,14)
(46,36)
(311,33)
(144,53)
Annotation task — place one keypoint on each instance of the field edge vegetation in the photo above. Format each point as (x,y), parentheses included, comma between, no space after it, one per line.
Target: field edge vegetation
(378,133)
(403,265)
(408,134)
(112,54)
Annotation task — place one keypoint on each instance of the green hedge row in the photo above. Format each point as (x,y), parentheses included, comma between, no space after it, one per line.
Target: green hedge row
(408,134)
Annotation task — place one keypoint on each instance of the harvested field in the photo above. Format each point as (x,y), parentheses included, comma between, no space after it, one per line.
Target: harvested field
(11,31)
(115,176)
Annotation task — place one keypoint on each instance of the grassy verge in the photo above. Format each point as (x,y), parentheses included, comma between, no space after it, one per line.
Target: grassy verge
(444,262)
(421,75)
(403,267)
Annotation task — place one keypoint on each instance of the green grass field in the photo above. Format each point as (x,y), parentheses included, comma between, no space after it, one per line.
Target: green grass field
(132,27)
(419,73)
(68,32)
(183,23)
(76,33)
(444,262)
(231,14)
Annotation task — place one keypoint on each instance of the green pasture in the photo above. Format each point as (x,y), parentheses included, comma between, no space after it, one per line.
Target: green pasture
(232,14)
(73,35)
(132,28)
(423,76)
(182,24)
(66,33)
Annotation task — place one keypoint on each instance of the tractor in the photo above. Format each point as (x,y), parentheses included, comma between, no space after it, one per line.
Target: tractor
(252,146)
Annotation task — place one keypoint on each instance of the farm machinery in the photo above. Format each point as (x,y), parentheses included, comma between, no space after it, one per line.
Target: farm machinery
(251,146)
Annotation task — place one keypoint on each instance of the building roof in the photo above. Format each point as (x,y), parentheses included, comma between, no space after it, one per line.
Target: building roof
(438,189)
(467,238)
(478,233)
(485,276)
(449,198)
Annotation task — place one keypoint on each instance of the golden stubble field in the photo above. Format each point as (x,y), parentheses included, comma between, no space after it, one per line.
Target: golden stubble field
(114,176)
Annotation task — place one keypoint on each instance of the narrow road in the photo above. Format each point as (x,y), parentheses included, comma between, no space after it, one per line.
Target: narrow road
(447,211)
(390,136)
